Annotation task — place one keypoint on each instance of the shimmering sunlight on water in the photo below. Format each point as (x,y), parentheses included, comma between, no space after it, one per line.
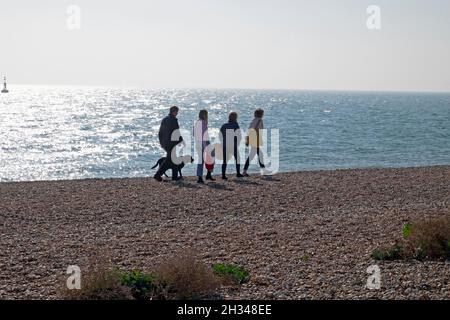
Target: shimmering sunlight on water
(70,133)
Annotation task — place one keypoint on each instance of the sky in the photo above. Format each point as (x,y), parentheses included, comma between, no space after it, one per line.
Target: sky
(265,44)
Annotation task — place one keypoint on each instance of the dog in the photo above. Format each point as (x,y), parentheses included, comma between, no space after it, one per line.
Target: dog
(177,167)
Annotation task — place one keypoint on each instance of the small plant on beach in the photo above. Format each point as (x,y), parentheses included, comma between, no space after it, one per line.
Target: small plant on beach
(230,272)
(425,239)
(406,231)
(305,258)
(184,276)
(390,253)
(429,239)
(101,281)
(143,286)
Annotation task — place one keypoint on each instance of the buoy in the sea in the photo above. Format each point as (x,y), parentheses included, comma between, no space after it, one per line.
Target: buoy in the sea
(5,90)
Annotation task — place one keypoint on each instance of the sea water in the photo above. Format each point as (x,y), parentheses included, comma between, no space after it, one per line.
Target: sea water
(49,133)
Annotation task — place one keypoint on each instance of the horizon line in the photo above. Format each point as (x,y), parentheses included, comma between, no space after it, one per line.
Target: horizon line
(232,88)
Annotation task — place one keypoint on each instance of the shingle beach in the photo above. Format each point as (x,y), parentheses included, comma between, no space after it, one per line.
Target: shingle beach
(302,235)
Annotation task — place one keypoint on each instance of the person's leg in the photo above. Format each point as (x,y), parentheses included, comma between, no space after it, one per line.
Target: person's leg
(200,170)
(174,174)
(209,176)
(260,158)
(238,164)
(211,159)
(224,170)
(174,170)
(199,150)
(246,165)
(224,165)
(238,170)
(251,155)
(264,171)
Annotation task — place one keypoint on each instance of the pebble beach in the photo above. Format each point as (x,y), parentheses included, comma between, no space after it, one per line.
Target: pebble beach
(301,235)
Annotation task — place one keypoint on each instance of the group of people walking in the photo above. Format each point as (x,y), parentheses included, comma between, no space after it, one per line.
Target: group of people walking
(230,138)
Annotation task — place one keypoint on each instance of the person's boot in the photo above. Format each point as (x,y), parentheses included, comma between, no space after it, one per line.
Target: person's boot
(209,176)
(245,174)
(158,178)
(238,171)
(224,169)
(200,180)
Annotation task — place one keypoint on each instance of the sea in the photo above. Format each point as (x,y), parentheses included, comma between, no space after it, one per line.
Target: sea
(60,133)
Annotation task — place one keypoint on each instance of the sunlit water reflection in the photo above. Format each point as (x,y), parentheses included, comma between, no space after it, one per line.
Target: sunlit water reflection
(49,133)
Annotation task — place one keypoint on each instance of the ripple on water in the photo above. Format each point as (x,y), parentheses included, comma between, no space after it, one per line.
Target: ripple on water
(67,133)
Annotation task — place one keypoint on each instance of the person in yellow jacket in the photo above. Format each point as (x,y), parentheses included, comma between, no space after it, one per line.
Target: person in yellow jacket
(254,141)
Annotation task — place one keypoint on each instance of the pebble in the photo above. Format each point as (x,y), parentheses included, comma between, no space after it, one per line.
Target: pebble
(337,218)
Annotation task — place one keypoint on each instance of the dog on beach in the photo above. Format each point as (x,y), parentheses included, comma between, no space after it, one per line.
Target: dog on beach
(177,167)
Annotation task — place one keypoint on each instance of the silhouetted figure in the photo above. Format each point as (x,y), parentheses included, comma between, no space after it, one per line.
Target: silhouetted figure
(168,126)
(230,137)
(202,140)
(255,141)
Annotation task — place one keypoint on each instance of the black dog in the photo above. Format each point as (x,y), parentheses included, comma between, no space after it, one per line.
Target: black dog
(177,167)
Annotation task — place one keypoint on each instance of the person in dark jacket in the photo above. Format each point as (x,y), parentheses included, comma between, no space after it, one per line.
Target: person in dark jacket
(230,137)
(169,125)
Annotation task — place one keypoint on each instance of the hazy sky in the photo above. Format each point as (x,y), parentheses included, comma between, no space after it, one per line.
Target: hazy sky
(278,44)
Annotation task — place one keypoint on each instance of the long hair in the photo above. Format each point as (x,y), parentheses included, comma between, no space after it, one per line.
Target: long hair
(203,115)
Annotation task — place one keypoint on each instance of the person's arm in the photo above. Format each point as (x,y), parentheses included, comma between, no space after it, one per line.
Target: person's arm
(176,126)
(238,134)
(162,134)
(195,131)
(205,135)
(260,124)
(221,135)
